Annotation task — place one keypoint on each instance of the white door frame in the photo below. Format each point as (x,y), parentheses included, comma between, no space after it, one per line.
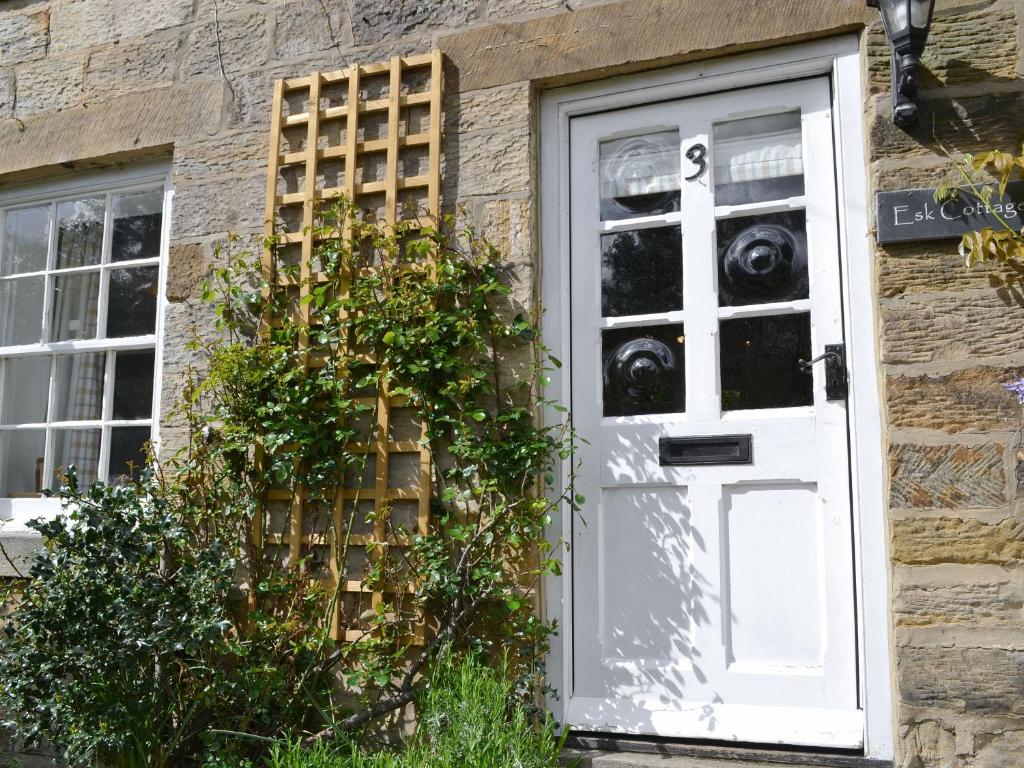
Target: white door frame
(840,59)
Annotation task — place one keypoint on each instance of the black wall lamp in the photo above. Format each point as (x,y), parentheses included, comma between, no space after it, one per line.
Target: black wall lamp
(906,25)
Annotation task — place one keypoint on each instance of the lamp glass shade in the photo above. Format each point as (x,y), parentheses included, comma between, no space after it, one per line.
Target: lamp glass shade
(921,13)
(906,23)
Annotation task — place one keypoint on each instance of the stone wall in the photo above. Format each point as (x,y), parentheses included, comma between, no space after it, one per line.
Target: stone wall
(949,338)
(87,83)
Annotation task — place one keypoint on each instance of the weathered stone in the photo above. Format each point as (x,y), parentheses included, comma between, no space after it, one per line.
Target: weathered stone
(220,204)
(373,21)
(950,327)
(963,48)
(121,69)
(969,124)
(24,36)
(908,268)
(977,595)
(947,476)
(927,745)
(127,124)
(965,401)
(308,26)
(981,681)
(6,93)
(998,749)
(484,110)
(221,155)
(187,268)
(242,45)
(930,540)
(49,84)
(503,9)
(81,24)
(595,39)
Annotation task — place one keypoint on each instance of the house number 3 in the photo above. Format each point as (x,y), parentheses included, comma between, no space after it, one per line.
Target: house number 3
(697,154)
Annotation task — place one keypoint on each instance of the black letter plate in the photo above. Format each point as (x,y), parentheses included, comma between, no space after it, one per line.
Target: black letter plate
(705,451)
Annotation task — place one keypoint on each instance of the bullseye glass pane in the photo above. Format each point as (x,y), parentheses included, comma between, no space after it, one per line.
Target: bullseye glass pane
(26,239)
(642,272)
(643,370)
(80,232)
(762,259)
(760,367)
(758,159)
(640,176)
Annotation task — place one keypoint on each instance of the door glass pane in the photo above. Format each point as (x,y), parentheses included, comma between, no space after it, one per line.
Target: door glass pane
(21,462)
(642,272)
(760,367)
(21,310)
(26,239)
(762,259)
(80,232)
(137,223)
(76,299)
(79,448)
(79,395)
(644,370)
(26,390)
(758,159)
(132,307)
(640,176)
(133,384)
(127,452)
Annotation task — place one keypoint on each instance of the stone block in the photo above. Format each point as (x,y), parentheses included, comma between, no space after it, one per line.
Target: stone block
(963,48)
(927,745)
(219,205)
(998,749)
(373,21)
(503,9)
(487,109)
(227,153)
(49,84)
(980,681)
(968,124)
(969,595)
(947,476)
(909,268)
(24,36)
(509,226)
(82,24)
(950,327)
(243,45)
(932,540)
(309,26)
(187,269)
(6,93)
(121,69)
(972,400)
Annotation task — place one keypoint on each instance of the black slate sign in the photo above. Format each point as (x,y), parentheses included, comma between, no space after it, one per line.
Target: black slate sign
(913,214)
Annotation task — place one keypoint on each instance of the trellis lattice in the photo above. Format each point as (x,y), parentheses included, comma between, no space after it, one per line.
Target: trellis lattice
(373,134)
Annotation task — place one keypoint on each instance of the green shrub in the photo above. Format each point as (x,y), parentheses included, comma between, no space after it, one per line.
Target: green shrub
(470,717)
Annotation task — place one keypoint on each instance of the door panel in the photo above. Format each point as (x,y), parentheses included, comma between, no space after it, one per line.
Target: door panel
(710,601)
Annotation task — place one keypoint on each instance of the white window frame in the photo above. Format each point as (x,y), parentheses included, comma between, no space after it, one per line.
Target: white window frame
(15,512)
(840,59)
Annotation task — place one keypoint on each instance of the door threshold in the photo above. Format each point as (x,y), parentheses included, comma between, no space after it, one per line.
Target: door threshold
(593,746)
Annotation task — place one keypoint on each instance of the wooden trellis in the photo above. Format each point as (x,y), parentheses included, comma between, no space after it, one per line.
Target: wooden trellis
(371,133)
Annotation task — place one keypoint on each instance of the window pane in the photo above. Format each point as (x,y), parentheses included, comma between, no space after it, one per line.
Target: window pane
(79,448)
(133,384)
(75,306)
(762,259)
(758,159)
(26,390)
(26,239)
(760,367)
(127,452)
(643,370)
(640,176)
(21,310)
(642,272)
(137,223)
(79,395)
(21,462)
(80,232)
(132,307)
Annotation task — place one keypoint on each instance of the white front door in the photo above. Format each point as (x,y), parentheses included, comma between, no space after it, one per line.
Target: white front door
(713,589)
